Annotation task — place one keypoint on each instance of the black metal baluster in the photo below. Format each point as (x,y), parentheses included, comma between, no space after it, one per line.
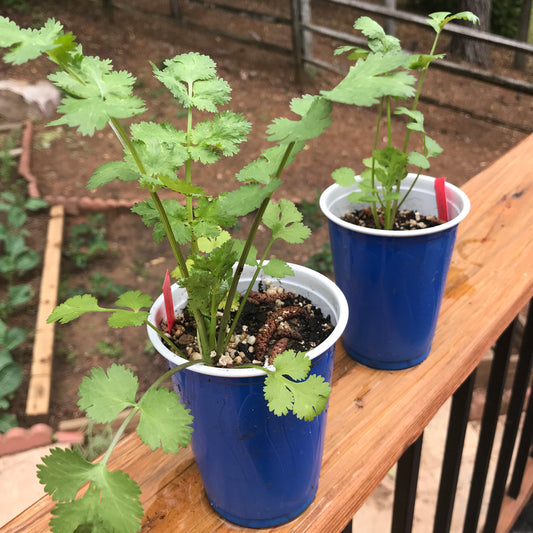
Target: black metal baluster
(453,452)
(527,430)
(348,528)
(405,488)
(512,421)
(489,421)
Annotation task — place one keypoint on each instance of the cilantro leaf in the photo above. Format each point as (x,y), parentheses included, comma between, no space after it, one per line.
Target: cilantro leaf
(264,168)
(164,421)
(378,40)
(177,215)
(284,220)
(111,502)
(247,198)
(135,300)
(28,43)
(110,171)
(370,79)
(104,395)
(219,137)
(96,94)
(314,112)
(160,148)
(191,78)
(306,398)
(73,308)
(310,397)
(344,176)
(418,160)
(63,472)
(276,268)
(122,318)
(438,20)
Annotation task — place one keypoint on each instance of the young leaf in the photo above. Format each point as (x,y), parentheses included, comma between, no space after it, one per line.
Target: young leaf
(105,395)
(177,215)
(418,160)
(73,308)
(344,176)
(284,220)
(276,268)
(438,20)
(164,421)
(160,148)
(219,137)
(378,40)
(432,147)
(191,78)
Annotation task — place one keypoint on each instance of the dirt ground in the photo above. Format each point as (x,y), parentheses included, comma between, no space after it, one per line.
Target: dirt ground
(263,84)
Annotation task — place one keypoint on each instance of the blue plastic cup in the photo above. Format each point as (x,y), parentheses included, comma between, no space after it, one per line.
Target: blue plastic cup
(393,280)
(258,469)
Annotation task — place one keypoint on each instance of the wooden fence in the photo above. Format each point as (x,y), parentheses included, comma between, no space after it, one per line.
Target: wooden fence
(298,16)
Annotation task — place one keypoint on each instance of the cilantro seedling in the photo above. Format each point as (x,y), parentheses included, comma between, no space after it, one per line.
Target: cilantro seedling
(383,74)
(195,224)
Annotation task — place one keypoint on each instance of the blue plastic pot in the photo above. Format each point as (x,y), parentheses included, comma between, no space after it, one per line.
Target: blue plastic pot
(258,469)
(393,280)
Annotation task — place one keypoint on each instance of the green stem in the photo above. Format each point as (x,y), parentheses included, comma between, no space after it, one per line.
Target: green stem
(188,174)
(419,91)
(136,408)
(169,373)
(372,180)
(176,250)
(221,344)
(165,338)
(119,434)
(247,293)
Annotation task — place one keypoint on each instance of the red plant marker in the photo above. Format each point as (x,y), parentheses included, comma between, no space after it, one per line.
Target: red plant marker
(442,203)
(169,304)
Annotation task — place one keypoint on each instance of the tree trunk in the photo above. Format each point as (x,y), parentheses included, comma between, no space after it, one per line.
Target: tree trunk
(475,52)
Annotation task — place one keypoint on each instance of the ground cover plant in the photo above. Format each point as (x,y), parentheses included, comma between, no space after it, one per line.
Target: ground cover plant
(157,157)
(384,74)
(17,259)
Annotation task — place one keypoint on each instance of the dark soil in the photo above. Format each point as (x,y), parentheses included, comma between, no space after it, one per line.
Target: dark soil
(406,220)
(263,84)
(272,321)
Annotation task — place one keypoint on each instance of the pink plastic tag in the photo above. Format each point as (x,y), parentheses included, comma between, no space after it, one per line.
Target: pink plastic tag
(442,203)
(169,304)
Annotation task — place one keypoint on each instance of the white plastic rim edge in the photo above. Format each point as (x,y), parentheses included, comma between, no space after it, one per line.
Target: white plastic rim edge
(334,204)
(318,288)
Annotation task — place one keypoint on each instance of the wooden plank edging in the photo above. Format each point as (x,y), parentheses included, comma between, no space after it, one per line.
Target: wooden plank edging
(43,348)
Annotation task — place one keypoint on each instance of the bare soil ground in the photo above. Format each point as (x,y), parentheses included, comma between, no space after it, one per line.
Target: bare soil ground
(263,84)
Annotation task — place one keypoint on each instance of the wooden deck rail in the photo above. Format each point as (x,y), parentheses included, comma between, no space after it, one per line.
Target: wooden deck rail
(375,416)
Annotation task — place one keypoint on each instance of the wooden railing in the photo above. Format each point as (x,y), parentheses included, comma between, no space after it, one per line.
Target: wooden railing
(376,418)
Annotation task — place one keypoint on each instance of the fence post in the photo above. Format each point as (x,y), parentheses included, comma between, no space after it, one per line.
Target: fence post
(389,24)
(175,10)
(297,40)
(523,32)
